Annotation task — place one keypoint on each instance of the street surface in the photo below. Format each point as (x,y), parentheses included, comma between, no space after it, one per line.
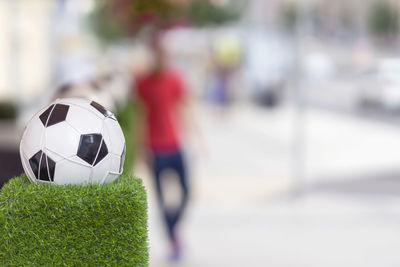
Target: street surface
(243,210)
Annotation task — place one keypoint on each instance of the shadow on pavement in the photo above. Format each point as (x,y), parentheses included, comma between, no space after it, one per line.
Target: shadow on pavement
(379,183)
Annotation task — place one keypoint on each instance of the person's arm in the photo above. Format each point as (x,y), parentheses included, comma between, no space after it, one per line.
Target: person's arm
(190,125)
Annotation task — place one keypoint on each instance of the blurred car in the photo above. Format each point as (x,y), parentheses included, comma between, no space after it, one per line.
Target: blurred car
(268,62)
(380,89)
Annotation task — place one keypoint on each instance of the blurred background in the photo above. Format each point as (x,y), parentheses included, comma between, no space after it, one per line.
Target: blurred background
(297,101)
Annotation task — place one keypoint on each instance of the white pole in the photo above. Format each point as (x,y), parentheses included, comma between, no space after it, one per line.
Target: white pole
(299,116)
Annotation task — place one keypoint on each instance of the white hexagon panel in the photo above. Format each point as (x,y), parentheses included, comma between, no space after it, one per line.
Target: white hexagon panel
(69,172)
(116,135)
(101,170)
(90,124)
(73,141)
(32,129)
(62,139)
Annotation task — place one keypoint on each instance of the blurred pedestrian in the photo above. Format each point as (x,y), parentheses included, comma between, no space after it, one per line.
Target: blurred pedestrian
(223,80)
(163,96)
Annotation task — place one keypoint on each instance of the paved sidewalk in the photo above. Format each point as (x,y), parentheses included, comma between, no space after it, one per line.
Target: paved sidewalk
(241,213)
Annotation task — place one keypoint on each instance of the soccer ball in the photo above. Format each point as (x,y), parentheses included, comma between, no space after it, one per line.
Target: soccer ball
(73,141)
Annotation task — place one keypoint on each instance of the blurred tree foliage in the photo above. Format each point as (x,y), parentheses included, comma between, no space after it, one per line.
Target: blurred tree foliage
(289,16)
(292,13)
(127,118)
(383,19)
(117,19)
(7,110)
(203,13)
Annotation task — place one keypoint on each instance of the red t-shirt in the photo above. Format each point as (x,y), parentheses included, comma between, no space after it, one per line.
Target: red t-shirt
(160,94)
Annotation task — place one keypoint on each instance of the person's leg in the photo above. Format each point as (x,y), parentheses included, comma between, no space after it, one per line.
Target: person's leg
(158,167)
(174,162)
(161,163)
(174,215)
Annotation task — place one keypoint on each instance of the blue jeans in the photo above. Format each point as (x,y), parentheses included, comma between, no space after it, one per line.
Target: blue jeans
(171,161)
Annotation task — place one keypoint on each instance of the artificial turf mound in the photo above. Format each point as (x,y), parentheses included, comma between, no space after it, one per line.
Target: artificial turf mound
(74,225)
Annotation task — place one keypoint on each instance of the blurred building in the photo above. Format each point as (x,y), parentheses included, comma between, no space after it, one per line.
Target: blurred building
(326,15)
(25,36)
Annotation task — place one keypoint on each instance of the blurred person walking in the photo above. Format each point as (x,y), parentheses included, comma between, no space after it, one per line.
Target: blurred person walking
(163,98)
(223,80)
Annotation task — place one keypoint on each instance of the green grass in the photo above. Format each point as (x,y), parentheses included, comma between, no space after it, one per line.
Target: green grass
(126,117)
(74,225)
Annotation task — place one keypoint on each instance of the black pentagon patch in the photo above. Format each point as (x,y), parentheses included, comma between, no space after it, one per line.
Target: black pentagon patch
(42,166)
(92,148)
(45,115)
(101,109)
(59,114)
(102,153)
(34,162)
(51,166)
(54,114)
